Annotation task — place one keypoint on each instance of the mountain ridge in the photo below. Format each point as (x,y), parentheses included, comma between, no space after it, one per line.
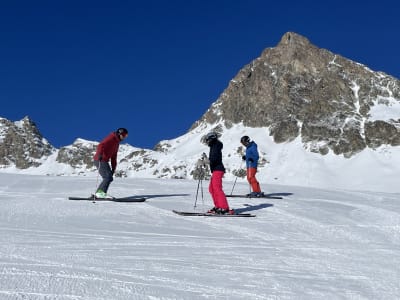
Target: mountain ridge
(301,99)
(298,89)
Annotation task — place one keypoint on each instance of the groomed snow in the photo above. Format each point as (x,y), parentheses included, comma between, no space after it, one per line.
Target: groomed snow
(313,244)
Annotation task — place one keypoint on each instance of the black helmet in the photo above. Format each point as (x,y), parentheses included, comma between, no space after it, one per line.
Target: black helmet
(122,131)
(210,136)
(245,140)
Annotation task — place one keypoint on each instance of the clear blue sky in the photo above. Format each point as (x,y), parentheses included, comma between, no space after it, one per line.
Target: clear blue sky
(84,68)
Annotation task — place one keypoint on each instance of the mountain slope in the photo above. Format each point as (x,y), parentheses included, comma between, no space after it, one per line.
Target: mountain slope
(319,120)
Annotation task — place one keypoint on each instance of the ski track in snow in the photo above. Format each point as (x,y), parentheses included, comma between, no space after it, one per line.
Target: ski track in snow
(313,244)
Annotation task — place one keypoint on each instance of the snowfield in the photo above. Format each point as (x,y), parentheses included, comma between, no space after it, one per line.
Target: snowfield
(313,244)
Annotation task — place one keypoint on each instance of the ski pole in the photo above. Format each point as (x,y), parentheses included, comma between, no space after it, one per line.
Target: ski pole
(97,184)
(240,167)
(234,183)
(202,195)
(201,168)
(199,184)
(197,193)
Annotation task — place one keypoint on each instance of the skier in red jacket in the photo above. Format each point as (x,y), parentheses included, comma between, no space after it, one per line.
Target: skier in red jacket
(107,150)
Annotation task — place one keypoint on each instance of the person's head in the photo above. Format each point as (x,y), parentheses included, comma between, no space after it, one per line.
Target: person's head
(245,140)
(122,133)
(210,137)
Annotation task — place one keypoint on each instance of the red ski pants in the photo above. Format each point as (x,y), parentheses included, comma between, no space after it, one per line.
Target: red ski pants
(251,178)
(215,189)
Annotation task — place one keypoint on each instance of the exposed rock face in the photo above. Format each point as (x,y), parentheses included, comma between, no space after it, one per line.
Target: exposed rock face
(79,154)
(299,89)
(22,145)
(380,132)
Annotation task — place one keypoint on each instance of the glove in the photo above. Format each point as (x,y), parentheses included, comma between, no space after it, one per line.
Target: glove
(244,157)
(100,157)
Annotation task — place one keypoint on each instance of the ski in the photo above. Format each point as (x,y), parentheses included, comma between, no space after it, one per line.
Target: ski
(199,214)
(124,199)
(261,197)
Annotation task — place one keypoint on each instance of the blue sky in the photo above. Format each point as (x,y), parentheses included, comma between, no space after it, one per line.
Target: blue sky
(84,68)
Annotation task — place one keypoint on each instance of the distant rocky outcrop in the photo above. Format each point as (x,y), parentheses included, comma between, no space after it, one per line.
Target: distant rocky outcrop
(79,154)
(297,89)
(22,145)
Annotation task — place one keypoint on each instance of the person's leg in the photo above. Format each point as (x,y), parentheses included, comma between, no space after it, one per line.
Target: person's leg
(251,177)
(219,195)
(211,190)
(107,175)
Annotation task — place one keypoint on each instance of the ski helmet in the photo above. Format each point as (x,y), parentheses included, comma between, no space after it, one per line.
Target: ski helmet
(245,140)
(122,131)
(210,136)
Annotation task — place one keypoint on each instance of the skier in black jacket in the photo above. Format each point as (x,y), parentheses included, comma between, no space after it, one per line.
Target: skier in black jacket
(217,170)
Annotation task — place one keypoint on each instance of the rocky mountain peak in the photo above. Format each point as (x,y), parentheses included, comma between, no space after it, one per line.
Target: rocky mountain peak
(299,90)
(22,144)
(294,41)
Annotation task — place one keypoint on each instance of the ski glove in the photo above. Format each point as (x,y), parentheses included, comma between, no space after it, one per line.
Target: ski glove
(250,159)
(100,157)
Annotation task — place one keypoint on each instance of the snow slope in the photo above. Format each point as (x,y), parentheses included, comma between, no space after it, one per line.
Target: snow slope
(313,244)
(286,163)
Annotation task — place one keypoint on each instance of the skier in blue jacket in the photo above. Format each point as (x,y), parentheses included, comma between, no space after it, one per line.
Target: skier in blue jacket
(251,159)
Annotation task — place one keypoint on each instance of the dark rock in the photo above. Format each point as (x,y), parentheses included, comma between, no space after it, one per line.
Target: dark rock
(22,144)
(297,89)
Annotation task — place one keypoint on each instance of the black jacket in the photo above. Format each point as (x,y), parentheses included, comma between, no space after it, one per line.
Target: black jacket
(215,156)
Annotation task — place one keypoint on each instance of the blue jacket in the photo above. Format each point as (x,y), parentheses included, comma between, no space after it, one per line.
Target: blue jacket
(252,155)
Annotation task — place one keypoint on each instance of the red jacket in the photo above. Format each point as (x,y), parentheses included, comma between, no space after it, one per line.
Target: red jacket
(108,149)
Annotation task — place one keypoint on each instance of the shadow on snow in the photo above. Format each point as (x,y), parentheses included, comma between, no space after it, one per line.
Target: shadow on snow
(159,196)
(249,207)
